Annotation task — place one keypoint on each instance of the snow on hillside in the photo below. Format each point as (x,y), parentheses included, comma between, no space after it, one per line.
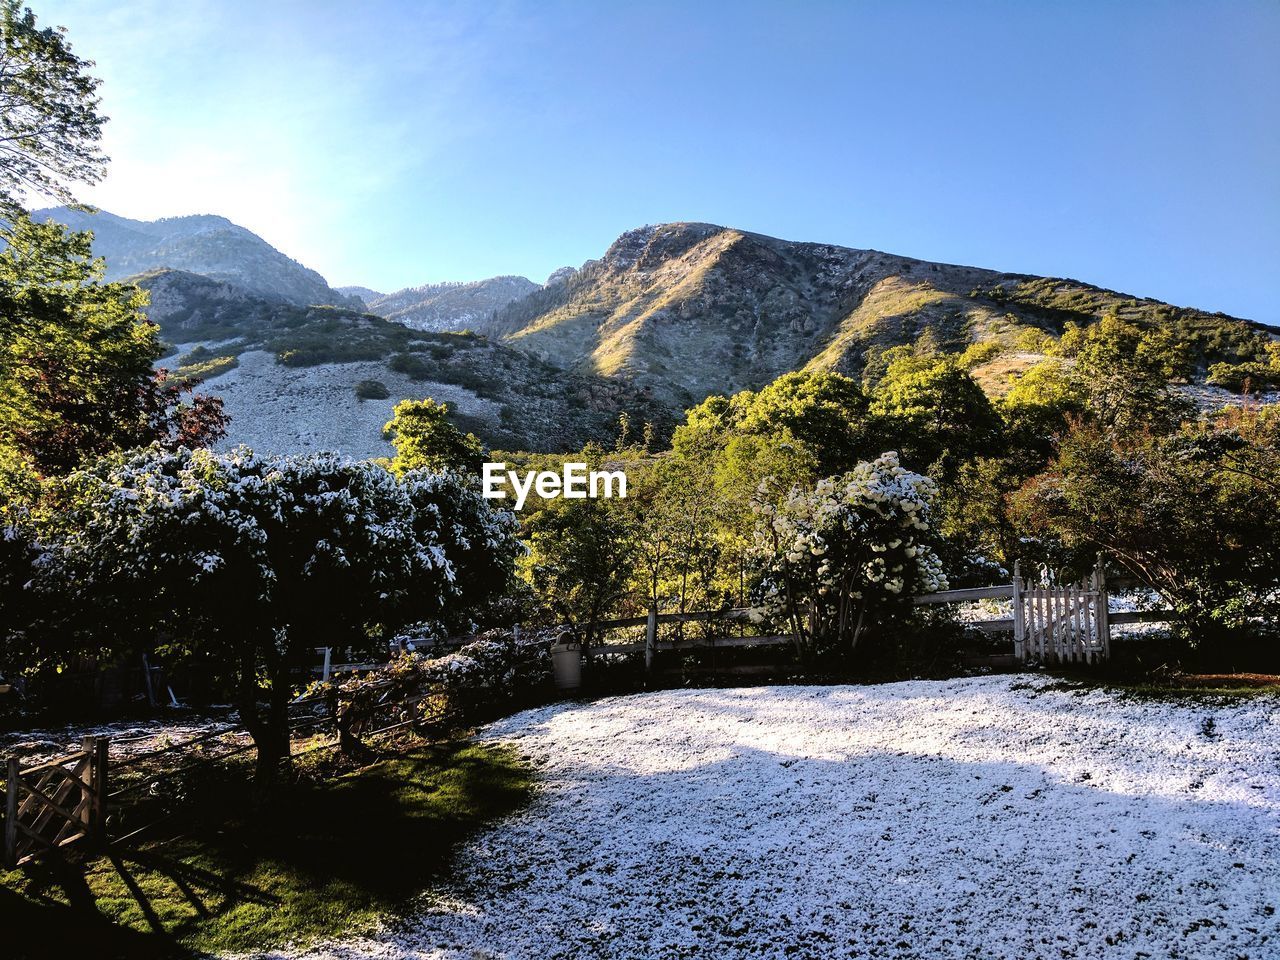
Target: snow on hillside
(996,818)
(279,409)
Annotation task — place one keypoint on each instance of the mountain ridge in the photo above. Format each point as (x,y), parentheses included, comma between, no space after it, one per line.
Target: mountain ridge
(688,308)
(204,244)
(451,305)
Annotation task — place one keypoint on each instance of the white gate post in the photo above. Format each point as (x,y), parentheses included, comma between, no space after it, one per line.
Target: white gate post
(1104,620)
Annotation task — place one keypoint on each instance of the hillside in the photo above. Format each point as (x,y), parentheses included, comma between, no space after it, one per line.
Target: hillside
(688,309)
(207,245)
(289,374)
(450,306)
(365,294)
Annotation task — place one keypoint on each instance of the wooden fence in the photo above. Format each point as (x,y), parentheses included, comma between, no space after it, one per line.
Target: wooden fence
(56,803)
(63,801)
(1050,623)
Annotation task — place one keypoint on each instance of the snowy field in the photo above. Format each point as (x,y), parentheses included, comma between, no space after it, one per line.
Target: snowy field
(996,817)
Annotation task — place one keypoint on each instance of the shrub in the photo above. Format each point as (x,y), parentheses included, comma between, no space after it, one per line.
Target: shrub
(412,366)
(496,671)
(207,369)
(851,546)
(312,548)
(372,390)
(1237,377)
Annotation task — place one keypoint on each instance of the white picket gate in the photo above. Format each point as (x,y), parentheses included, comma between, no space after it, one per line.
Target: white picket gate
(1061,623)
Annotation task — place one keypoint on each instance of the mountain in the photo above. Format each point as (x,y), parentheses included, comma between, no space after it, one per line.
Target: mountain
(688,309)
(363,293)
(669,314)
(450,306)
(303,378)
(207,245)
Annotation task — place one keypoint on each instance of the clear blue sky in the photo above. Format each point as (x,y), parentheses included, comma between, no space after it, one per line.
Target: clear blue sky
(1135,145)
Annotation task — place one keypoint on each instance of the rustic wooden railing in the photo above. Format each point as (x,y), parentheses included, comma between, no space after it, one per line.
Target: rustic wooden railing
(56,803)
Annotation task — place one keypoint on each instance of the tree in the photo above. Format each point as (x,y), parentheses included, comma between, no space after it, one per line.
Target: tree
(254,561)
(49,123)
(1124,372)
(843,551)
(1192,513)
(425,439)
(1037,407)
(824,412)
(580,559)
(686,549)
(934,412)
(799,428)
(76,355)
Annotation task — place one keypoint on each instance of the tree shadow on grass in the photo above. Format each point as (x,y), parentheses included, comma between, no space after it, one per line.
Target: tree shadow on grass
(325,860)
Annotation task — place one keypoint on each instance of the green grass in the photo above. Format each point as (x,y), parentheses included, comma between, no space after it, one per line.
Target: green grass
(1186,688)
(331,860)
(1175,691)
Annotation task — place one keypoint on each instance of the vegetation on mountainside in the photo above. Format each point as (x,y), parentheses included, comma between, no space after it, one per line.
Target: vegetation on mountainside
(542,406)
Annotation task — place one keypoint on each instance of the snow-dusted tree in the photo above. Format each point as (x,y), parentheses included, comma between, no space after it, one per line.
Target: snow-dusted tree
(835,554)
(257,560)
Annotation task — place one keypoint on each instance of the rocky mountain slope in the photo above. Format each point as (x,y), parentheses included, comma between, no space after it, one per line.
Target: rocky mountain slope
(365,294)
(207,245)
(319,377)
(688,309)
(450,306)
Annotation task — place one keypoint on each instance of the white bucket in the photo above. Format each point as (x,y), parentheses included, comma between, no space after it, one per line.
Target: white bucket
(566,665)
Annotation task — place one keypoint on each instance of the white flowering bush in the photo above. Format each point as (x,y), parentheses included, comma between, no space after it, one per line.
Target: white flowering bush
(254,561)
(832,556)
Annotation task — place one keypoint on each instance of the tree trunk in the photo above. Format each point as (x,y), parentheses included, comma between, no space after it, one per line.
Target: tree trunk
(268,726)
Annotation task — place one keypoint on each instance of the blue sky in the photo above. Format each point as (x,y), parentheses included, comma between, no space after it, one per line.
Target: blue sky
(1134,145)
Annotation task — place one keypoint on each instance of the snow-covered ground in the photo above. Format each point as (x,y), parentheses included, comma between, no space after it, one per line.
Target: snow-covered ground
(997,817)
(277,409)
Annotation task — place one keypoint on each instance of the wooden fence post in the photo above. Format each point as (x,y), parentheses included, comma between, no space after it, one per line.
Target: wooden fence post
(650,638)
(99,779)
(146,676)
(1019,626)
(85,808)
(11,814)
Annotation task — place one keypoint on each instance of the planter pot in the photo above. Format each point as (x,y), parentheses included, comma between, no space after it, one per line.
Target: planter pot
(566,665)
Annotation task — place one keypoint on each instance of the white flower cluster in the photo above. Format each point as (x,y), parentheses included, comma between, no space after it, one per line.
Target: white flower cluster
(205,530)
(856,537)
